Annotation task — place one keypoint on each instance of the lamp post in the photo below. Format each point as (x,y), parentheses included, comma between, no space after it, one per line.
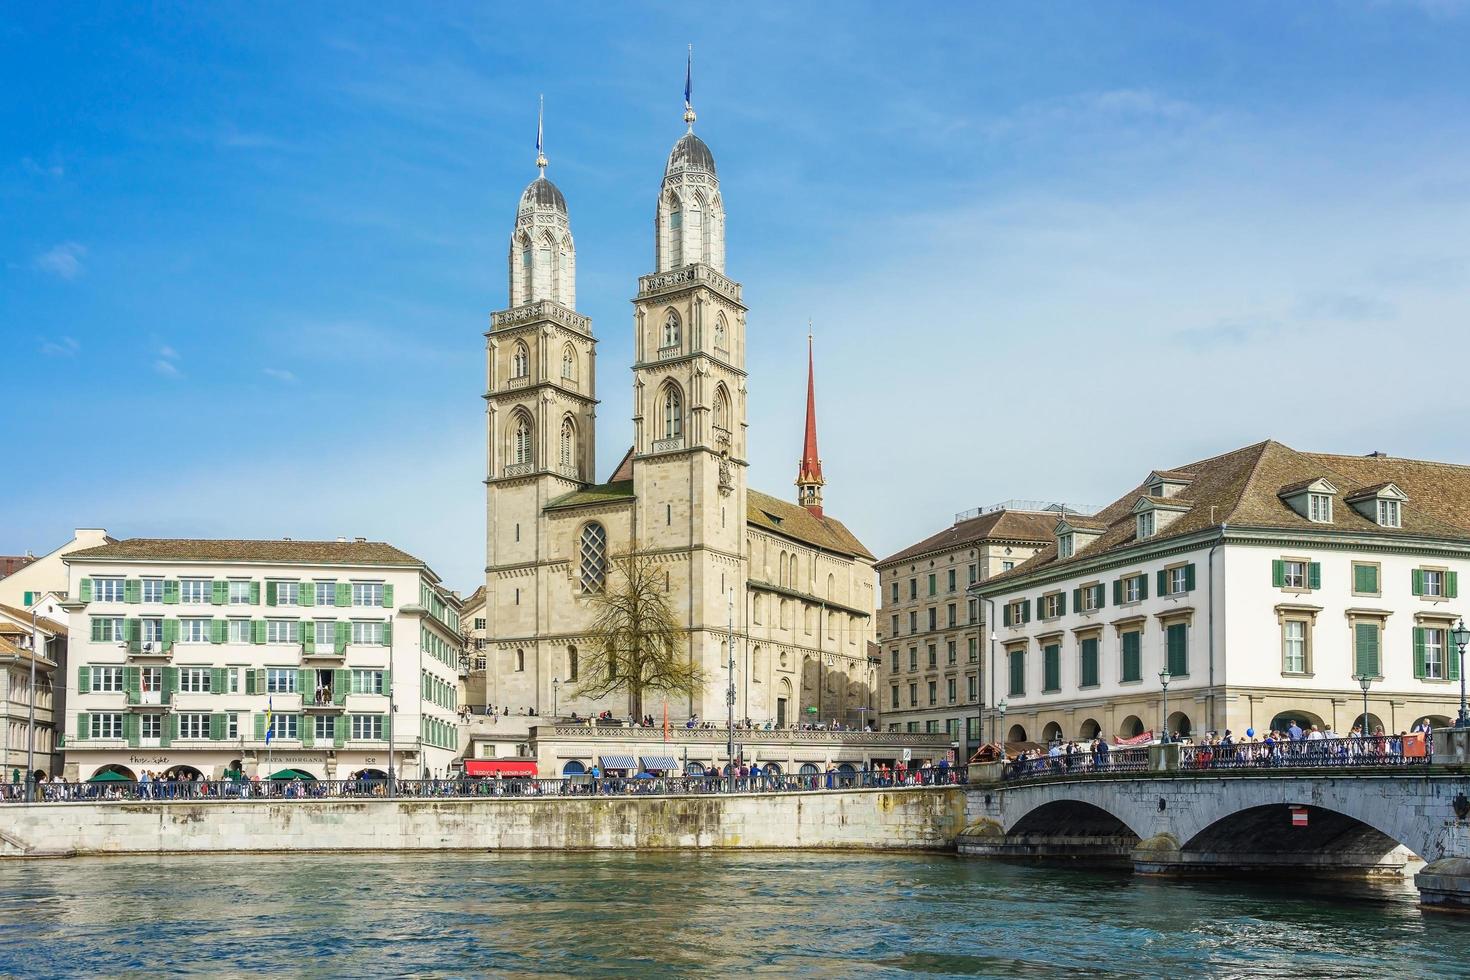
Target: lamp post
(1164,677)
(1000,708)
(1364,681)
(1461,636)
(555,686)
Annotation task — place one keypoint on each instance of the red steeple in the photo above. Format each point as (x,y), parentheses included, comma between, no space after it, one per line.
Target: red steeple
(809,481)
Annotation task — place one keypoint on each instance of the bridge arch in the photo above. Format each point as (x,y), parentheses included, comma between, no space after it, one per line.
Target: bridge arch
(1081,804)
(1072,818)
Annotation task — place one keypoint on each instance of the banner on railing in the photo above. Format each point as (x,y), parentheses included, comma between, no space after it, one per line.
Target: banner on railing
(1144,739)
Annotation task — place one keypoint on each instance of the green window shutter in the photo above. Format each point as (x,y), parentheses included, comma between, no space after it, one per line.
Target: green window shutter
(1314,575)
(170,729)
(260,729)
(1018,673)
(1452,585)
(1143,586)
(171,591)
(270,593)
(308,637)
(1365,642)
(84,725)
(344,593)
(219,592)
(1419,651)
(1189,577)
(1039,610)
(133,633)
(341,681)
(84,680)
(1132,659)
(219,630)
(1005,614)
(1089,662)
(219,681)
(170,682)
(257,631)
(1077,599)
(96,630)
(1372,578)
(1416,581)
(1360,578)
(1163,581)
(170,633)
(1117,592)
(1101,598)
(344,634)
(133,590)
(306,684)
(307,730)
(133,684)
(250,682)
(86,590)
(1053,668)
(387,597)
(387,634)
(1178,647)
(306,594)
(255,593)
(1278,573)
(217,727)
(1062,604)
(131,730)
(339,731)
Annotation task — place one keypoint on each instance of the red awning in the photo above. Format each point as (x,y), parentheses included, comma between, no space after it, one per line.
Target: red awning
(499,767)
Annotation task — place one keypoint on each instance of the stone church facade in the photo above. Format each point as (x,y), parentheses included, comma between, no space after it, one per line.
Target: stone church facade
(789,584)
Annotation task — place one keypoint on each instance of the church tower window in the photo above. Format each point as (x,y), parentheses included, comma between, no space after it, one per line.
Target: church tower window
(569,363)
(594,558)
(720,332)
(673,409)
(568,445)
(671,330)
(521,441)
(520,362)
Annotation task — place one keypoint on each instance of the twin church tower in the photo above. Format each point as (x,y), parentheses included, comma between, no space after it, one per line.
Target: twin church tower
(732,556)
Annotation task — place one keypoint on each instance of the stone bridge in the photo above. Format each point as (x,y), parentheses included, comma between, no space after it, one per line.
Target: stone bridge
(1170,818)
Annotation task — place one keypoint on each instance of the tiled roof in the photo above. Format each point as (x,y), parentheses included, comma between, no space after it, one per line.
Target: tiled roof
(1242,489)
(773,514)
(474,600)
(23,617)
(624,470)
(225,550)
(1003,525)
(600,494)
(9,564)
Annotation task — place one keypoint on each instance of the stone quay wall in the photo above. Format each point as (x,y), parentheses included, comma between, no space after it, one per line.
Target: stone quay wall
(900,819)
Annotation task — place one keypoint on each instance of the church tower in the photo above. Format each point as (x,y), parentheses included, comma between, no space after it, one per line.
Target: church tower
(689,402)
(540,401)
(809,480)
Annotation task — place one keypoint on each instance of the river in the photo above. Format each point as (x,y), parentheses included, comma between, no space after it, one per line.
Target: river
(691,914)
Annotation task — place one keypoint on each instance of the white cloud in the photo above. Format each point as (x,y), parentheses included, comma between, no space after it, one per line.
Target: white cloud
(167,368)
(61,347)
(168,352)
(281,375)
(30,166)
(63,261)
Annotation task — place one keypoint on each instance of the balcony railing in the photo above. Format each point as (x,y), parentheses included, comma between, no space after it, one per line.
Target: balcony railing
(1131,759)
(519,469)
(1321,753)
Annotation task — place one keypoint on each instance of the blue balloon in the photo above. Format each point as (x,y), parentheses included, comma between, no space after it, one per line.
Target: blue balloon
(1250,733)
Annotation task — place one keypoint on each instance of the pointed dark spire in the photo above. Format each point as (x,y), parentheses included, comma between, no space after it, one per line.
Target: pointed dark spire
(809,480)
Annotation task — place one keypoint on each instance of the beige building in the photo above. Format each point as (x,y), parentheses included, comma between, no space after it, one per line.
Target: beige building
(1265,585)
(474,626)
(185,654)
(789,582)
(31,645)
(24,587)
(932,631)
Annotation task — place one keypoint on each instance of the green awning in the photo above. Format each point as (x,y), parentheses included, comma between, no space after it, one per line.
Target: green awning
(293,774)
(109,777)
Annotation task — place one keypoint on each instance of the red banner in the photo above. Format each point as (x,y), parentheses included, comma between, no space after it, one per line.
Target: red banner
(1143,739)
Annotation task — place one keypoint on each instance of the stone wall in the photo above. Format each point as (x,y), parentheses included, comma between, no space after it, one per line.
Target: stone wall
(883,819)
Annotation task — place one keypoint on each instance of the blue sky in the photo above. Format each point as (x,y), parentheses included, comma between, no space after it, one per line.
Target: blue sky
(247,252)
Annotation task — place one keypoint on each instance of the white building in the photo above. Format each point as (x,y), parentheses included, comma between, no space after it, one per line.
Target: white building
(184,653)
(1267,580)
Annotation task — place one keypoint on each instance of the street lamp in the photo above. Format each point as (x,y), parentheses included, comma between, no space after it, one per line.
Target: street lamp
(1164,678)
(1461,636)
(555,685)
(1364,681)
(1000,708)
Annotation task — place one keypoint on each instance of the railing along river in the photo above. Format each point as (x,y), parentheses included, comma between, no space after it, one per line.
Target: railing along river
(164,791)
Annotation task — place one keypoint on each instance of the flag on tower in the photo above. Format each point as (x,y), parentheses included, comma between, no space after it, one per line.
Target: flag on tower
(689,78)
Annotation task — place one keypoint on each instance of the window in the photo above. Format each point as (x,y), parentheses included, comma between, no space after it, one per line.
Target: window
(1090,597)
(367,593)
(893,662)
(933,693)
(950,690)
(673,409)
(951,580)
(1146,524)
(1134,589)
(974,651)
(282,631)
(280,680)
(894,594)
(1132,658)
(287,593)
(1017,612)
(285,726)
(1006,566)
(520,453)
(150,726)
(153,590)
(151,631)
(324,593)
(520,661)
(1319,508)
(1053,606)
(479,622)
(1365,648)
(893,632)
(568,453)
(107,629)
(951,614)
(1294,646)
(1177,580)
(1065,546)
(193,725)
(1431,583)
(1430,655)
(933,618)
(913,588)
(1294,574)
(367,727)
(913,658)
(1051,667)
(324,728)
(1089,671)
(368,681)
(913,621)
(194,680)
(106,725)
(950,653)
(239,593)
(973,687)
(324,634)
(1388,513)
(106,680)
(1176,643)
(1017,663)
(568,364)
(913,695)
(520,361)
(1365,579)
(150,678)
(933,657)
(107,590)
(974,610)
(369,634)
(893,696)
(196,590)
(932,589)
(720,331)
(593,558)
(239,631)
(194,630)
(671,329)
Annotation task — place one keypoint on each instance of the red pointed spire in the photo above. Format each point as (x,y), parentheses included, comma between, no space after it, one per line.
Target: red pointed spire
(809,480)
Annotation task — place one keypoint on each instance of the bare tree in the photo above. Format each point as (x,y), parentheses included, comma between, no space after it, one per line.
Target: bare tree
(636,644)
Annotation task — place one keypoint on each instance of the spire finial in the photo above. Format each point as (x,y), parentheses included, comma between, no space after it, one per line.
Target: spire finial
(689,116)
(541,160)
(809,480)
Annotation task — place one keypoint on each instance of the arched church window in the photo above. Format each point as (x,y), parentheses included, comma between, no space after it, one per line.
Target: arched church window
(569,363)
(520,361)
(722,408)
(568,444)
(676,233)
(673,413)
(521,441)
(520,660)
(594,558)
(720,332)
(526,266)
(671,330)
(696,237)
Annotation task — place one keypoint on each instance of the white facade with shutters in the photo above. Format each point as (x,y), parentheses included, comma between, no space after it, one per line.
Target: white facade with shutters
(175,664)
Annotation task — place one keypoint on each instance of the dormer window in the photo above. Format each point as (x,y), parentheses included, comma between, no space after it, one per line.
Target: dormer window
(1388,514)
(1382,504)
(1065,545)
(1319,508)
(1145,525)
